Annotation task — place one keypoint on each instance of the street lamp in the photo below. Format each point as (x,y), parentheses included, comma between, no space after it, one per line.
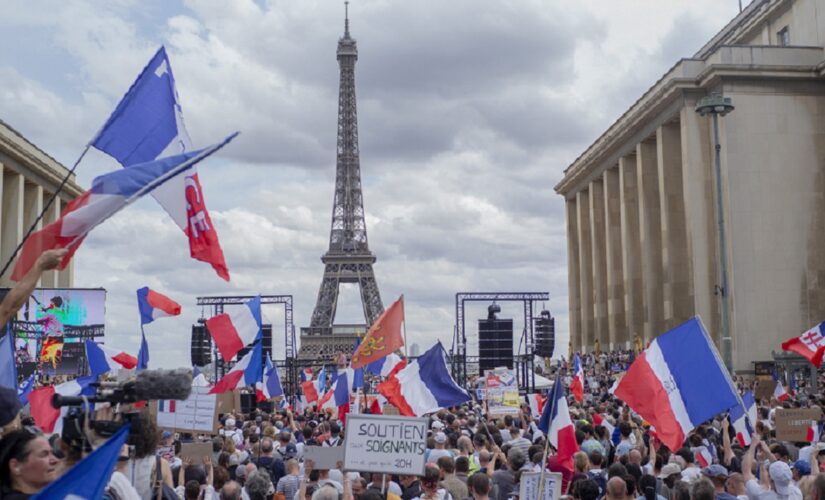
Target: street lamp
(716,105)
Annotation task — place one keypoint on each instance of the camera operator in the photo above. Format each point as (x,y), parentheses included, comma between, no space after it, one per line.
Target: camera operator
(27,464)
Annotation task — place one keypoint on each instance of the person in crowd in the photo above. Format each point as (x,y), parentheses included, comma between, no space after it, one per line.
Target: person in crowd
(449,481)
(462,469)
(202,478)
(229,431)
(258,486)
(27,464)
(616,489)
(232,490)
(291,482)
(479,487)
(411,487)
(440,441)
(142,468)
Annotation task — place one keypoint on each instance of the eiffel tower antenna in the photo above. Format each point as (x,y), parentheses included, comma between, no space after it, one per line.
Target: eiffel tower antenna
(348,259)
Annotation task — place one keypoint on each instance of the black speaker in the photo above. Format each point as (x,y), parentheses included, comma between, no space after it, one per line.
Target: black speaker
(201,348)
(248,402)
(495,343)
(545,334)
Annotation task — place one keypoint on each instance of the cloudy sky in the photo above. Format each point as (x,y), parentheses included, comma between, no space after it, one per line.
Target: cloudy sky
(468,113)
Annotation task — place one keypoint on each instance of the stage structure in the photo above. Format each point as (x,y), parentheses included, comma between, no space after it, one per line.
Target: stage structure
(523,361)
(217,304)
(348,259)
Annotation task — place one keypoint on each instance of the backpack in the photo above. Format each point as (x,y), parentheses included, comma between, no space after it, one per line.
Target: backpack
(600,479)
(161,490)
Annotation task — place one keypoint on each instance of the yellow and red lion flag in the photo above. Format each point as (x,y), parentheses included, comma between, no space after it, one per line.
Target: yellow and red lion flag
(384,336)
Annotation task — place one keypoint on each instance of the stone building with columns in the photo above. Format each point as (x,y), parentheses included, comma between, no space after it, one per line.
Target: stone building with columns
(29,178)
(641,201)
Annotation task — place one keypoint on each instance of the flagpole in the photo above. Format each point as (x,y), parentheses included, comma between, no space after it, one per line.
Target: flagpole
(45,208)
(547,438)
(404,328)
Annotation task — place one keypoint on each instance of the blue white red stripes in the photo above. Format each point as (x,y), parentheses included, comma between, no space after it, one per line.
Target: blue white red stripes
(556,424)
(104,359)
(153,305)
(743,419)
(577,384)
(424,385)
(246,372)
(234,330)
(677,383)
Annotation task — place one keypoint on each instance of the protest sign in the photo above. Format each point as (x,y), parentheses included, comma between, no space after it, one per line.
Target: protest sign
(195,451)
(197,413)
(502,391)
(324,457)
(529,487)
(388,444)
(764,388)
(792,425)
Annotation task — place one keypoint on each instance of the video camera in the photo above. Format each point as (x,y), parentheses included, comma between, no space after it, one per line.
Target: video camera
(147,385)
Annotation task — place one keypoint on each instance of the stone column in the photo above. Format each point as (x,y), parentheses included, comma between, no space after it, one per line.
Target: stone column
(32,205)
(650,228)
(574,299)
(585,269)
(12,218)
(678,304)
(49,278)
(616,325)
(599,262)
(697,179)
(631,249)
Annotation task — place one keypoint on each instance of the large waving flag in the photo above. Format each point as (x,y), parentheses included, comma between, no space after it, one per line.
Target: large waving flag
(89,477)
(246,372)
(270,387)
(556,424)
(152,305)
(234,330)
(104,359)
(383,338)
(109,194)
(148,123)
(577,385)
(424,385)
(743,419)
(8,365)
(810,345)
(677,383)
(384,366)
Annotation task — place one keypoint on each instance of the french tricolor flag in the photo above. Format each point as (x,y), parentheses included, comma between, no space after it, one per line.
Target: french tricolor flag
(703,457)
(536,402)
(678,382)
(246,372)
(234,330)
(385,365)
(577,385)
(104,359)
(109,194)
(556,424)
(743,419)
(167,405)
(779,392)
(599,419)
(813,432)
(270,387)
(424,385)
(153,305)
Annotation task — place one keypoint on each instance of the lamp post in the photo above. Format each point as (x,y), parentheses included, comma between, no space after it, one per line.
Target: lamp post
(716,105)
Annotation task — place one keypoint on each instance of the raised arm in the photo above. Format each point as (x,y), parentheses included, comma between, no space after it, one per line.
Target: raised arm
(18,295)
(726,447)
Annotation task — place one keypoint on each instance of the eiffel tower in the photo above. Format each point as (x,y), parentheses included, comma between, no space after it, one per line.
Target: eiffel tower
(348,259)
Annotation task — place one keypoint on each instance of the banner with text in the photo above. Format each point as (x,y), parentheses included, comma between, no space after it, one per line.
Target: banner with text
(502,391)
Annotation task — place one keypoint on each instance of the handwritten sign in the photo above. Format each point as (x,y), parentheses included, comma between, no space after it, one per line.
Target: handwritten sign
(196,413)
(793,425)
(388,444)
(324,457)
(529,487)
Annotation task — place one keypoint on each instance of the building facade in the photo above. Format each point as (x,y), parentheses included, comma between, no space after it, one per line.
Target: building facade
(29,178)
(641,201)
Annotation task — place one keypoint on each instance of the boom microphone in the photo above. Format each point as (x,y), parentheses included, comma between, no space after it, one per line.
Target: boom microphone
(163,384)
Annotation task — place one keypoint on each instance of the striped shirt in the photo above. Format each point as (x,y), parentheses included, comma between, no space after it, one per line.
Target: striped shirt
(289,485)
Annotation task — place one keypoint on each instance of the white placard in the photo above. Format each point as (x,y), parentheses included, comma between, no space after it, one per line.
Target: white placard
(388,444)
(324,457)
(529,487)
(197,413)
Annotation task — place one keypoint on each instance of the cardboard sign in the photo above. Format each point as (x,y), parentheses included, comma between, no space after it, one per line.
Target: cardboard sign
(229,402)
(792,425)
(324,457)
(387,444)
(198,413)
(529,487)
(195,451)
(764,389)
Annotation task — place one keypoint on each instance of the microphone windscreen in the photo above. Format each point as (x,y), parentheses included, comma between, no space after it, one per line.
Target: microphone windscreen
(163,384)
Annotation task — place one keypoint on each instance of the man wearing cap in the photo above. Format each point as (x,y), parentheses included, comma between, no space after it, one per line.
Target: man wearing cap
(434,454)
(777,480)
(229,430)
(718,475)
(667,478)
(800,469)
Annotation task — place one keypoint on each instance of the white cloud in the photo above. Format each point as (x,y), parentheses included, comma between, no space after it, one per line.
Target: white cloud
(467,116)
